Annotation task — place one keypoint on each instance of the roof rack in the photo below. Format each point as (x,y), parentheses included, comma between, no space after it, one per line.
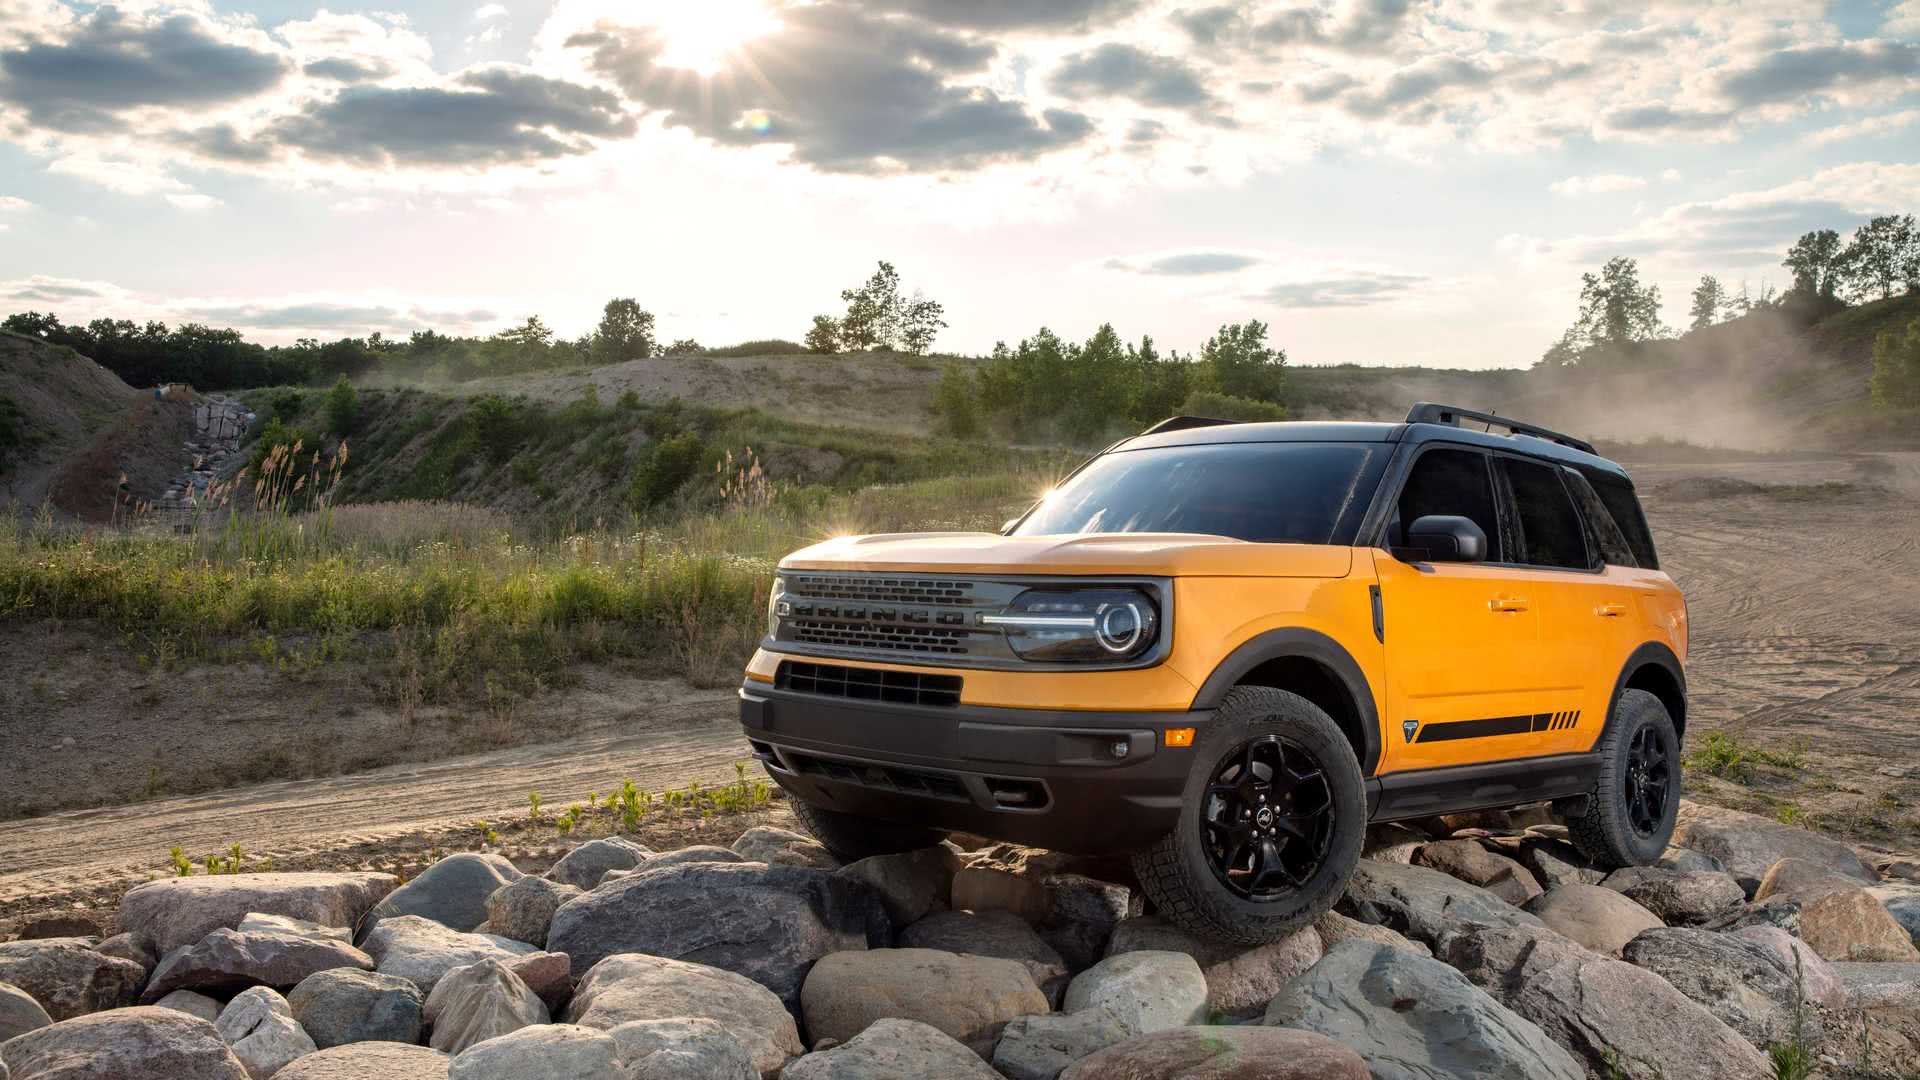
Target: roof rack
(1182,423)
(1425,412)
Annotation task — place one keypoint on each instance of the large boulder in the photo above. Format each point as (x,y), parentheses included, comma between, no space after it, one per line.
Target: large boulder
(19,1012)
(1818,980)
(261,1029)
(783,847)
(192,1004)
(1902,901)
(1039,1047)
(698,853)
(1333,928)
(548,1052)
(1602,1009)
(1241,979)
(1741,981)
(769,923)
(364,1061)
(548,974)
(452,892)
(999,934)
(173,912)
(1747,844)
(1472,863)
(912,884)
(523,909)
(682,1048)
(1800,881)
(584,866)
(1679,897)
(1415,1018)
(893,1050)
(141,1043)
(1222,1053)
(229,960)
(421,950)
(1554,862)
(1593,915)
(968,997)
(348,1006)
(1074,902)
(482,1001)
(622,989)
(1146,991)
(67,977)
(284,924)
(1849,924)
(129,947)
(1422,903)
(1879,986)
(1082,912)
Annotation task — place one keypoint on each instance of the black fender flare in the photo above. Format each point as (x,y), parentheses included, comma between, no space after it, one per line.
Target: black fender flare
(1654,654)
(1293,641)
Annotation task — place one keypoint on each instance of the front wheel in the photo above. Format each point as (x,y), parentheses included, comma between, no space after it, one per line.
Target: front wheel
(1629,817)
(851,838)
(1271,822)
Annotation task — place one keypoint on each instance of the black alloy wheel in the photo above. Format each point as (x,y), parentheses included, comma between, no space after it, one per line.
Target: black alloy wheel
(1647,777)
(1267,819)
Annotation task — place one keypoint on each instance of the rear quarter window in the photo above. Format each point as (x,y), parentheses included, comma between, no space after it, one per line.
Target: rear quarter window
(1617,494)
(1603,533)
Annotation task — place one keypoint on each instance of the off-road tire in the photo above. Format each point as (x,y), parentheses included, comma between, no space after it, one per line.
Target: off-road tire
(1175,871)
(851,837)
(1601,829)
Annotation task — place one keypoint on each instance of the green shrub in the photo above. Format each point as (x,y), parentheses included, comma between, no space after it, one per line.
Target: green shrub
(664,467)
(768,347)
(287,403)
(1227,407)
(277,434)
(1896,369)
(15,437)
(495,423)
(342,408)
(953,403)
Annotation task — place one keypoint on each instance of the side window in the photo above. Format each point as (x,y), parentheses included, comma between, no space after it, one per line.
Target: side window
(1550,530)
(1603,534)
(1453,482)
(1617,493)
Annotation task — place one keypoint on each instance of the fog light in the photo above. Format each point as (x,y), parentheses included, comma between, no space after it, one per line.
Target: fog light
(1120,748)
(1180,736)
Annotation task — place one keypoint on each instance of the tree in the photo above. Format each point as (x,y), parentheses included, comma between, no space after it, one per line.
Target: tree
(1710,300)
(1896,369)
(953,402)
(824,337)
(343,408)
(1238,362)
(625,333)
(532,333)
(1882,259)
(684,347)
(1616,313)
(1815,262)
(878,317)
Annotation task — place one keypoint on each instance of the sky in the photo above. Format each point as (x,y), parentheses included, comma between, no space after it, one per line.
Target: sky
(1380,181)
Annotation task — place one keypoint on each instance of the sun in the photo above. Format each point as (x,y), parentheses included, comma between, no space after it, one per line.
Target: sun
(701,35)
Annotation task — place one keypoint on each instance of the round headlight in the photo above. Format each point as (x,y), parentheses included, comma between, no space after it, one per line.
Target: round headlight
(1068,624)
(1120,627)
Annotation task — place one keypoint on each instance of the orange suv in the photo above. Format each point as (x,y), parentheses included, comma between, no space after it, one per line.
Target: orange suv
(1225,648)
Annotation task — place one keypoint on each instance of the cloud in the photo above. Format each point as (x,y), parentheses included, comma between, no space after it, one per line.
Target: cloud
(358,48)
(194,201)
(1607,183)
(13,204)
(271,318)
(1659,119)
(1360,289)
(1791,75)
(1117,70)
(52,290)
(1186,263)
(1365,26)
(1872,125)
(489,11)
(341,69)
(1206,25)
(1002,15)
(123,176)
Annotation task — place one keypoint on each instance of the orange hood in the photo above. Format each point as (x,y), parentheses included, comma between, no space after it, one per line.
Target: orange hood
(1152,554)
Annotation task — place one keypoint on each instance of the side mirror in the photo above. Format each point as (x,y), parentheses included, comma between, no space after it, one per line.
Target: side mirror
(1447,538)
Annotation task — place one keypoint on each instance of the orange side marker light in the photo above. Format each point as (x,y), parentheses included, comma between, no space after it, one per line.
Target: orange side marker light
(1180,736)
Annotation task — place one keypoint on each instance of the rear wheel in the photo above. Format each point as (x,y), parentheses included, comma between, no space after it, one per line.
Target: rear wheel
(1270,826)
(851,837)
(1629,817)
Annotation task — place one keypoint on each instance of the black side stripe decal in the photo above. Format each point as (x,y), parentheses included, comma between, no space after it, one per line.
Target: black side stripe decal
(1498,725)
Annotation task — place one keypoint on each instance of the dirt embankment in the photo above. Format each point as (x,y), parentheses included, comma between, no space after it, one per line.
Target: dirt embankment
(65,403)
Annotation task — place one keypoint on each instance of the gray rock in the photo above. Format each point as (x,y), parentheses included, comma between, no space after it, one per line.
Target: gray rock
(174,912)
(1902,901)
(1604,1010)
(1593,915)
(584,866)
(1748,844)
(1472,863)
(142,1043)
(1679,858)
(1819,981)
(1849,924)
(1423,904)
(1334,928)
(547,974)
(1555,862)
(20,1013)
(912,884)
(769,923)
(1879,986)
(230,960)
(1240,979)
(347,1006)
(549,1052)
(192,1004)
(682,1048)
(128,947)
(1393,842)
(1145,991)
(523,909)
(699,853)
(261,1029)
(999,934)
(1738,980)
(1800,881)
(282,924)
(969,998)
(783,847)
(1415,1018)
(893,1050)
(1039,1047)
(421,950)
(622,989)
(67,977)
(1081,914)
(452,892)
(1223,1053)
(482,1001)
(1679,897)
(370,1060)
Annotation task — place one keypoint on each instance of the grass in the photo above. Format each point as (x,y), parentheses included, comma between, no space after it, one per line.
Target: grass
(1722,754)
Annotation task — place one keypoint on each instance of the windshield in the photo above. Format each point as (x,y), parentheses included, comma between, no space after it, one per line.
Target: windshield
(1280,493)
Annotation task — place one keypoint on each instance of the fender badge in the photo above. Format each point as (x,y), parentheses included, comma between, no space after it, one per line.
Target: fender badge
(1408,727)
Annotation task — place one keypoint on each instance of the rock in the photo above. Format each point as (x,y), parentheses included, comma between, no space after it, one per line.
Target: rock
(174,912)
(1852,925)
(1414,1017)
(523,909)
(1145,991)
(1423,904)
(142,1043)
(348,1006)
(1679,858)
(913,884)
(1679,897)
(699,853)
(67,977)
(969,998)
(1879,986)
(1240,979)
(1902,901)
(478,1002)
(1555,862)
(629,987)
(1593,915)
(1222,1053)
(549,1052)
(65,924)
(1800,881)
(1604,1010)
(1334,928)
(1747,844)
(1393,842)
(1472,863)
(783,847)
(20,1013)
(370,1060)
(1736,979)
(261,1029)
(584,866)
(769,923)
(192,1004)
(682,1048)
(452,892)
(999,934)
(893,1050)
(1081,914)
(548,974)
(1492,821)
(1819,981)
(1039,1047)
(128,947)
(421,950)
(230,960)
(282,924)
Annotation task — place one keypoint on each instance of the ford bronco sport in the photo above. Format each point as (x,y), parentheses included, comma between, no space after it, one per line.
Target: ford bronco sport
(1225,648)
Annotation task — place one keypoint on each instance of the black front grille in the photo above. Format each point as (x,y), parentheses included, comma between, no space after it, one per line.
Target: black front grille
(887,777)
(895,590)
(868,684)
(880,636)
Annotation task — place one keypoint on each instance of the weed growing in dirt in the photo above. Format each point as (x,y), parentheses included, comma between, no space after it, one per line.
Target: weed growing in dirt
(1725,756)
(1793,1059)
(533,807)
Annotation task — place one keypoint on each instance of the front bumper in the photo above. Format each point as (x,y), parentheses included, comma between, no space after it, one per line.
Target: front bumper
(1044,778)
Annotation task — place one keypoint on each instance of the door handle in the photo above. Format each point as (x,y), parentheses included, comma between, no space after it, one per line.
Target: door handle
(1507,603)
(1610,611)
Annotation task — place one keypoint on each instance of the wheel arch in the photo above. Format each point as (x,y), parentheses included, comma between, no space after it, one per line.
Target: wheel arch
(1654,668)
(1313,665)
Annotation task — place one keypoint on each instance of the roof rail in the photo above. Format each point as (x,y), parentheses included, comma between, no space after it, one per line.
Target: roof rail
(1425,412)
(1182,423)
